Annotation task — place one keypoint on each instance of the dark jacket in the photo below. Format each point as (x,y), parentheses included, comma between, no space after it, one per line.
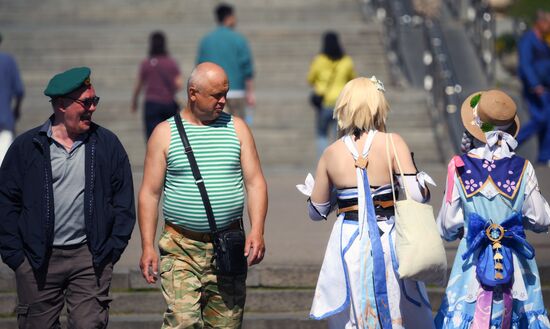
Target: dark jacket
(534,61)
(27,207)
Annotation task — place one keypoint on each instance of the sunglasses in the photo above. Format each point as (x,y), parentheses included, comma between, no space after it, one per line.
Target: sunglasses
(86,102)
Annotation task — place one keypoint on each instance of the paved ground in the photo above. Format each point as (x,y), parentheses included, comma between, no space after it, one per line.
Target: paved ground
(292,238)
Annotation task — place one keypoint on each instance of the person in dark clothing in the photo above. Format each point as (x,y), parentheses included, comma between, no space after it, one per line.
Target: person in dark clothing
(67,210)
(12,92)
(534,69)
(161,77)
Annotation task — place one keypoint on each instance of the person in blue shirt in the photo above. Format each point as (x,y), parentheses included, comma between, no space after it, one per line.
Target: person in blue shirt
(229,49)
(534,72)
(11,95)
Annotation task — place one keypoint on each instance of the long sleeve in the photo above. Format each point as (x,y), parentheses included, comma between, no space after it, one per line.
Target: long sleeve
(313,72)
(450,219)
(246,60)
(416,184)
(18,88)
(11,245)
(526,60)
(536,212)
(200,53)
(123,205)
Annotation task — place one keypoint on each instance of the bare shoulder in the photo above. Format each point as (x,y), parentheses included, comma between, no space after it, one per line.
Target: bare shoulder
(239,123)
(334,151)
(241,128)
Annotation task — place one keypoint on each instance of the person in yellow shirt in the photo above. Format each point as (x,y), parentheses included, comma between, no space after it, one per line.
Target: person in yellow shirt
(329,72)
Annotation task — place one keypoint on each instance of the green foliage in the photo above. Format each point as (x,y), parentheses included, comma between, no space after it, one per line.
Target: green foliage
(526,9)
(475,100)
(505,44)
(486,127)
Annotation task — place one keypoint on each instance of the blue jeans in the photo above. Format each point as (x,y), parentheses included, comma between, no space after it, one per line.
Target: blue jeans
(325,123)
(539,123)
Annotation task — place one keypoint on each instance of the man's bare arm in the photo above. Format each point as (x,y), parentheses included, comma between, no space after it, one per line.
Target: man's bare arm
(256,192)
(149,197)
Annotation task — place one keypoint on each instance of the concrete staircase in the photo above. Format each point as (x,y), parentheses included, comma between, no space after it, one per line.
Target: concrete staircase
(111,38)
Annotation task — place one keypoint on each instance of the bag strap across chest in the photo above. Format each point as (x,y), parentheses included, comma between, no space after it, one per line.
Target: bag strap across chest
(196,174)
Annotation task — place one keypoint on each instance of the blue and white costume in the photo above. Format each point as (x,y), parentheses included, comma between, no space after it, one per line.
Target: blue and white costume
(348,294)
(503,192)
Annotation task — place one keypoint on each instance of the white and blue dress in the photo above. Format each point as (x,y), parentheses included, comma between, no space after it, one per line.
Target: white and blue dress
(494,281)
(358,286)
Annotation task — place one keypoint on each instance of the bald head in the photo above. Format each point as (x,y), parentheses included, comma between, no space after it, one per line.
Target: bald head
(203,74)
(206,92)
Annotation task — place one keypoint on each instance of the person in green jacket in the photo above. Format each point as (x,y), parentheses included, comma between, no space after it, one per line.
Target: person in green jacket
(229,49)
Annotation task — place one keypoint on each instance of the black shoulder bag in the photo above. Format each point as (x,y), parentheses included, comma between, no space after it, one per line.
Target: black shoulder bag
(228,244)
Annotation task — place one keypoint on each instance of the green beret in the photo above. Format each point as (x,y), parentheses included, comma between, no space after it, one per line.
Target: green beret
(68,81)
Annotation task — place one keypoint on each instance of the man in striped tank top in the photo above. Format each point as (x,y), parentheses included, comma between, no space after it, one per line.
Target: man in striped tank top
(198,297)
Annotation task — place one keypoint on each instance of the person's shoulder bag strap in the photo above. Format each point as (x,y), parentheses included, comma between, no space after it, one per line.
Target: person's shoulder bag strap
(332,76)
(196,174)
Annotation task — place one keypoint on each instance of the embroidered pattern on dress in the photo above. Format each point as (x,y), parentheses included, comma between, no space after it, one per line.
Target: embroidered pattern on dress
(505,174)
(489,165)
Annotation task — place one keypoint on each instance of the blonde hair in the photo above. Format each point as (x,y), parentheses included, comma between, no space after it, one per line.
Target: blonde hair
(361,106)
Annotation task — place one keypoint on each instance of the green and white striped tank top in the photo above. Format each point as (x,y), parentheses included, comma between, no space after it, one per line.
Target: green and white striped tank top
(218,153)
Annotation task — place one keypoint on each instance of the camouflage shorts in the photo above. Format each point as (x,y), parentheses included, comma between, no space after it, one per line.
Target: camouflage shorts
(196,297)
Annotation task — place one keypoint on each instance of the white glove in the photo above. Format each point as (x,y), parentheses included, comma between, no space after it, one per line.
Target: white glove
(307,188)
(424,178)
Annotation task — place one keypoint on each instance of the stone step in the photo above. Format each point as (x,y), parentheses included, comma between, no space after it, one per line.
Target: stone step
(128,60)
(120,79)
(134,37)
(269,307)
(261,279)
(294,320)
(186,13)
(282,138)
(257,301)
(281,98)
(114,55)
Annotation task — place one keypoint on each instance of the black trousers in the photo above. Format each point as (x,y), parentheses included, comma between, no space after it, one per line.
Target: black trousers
(155,113)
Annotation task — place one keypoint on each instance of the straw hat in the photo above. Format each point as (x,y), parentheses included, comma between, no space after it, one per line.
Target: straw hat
(494,108)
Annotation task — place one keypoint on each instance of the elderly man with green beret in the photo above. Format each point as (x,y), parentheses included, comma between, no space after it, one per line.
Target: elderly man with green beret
(66,210)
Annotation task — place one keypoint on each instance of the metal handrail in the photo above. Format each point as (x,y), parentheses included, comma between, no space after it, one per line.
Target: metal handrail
(481,29)
(395,17)
(440,79)
(482,33)
(441,83)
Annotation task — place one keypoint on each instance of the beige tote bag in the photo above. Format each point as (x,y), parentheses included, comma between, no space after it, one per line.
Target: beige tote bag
(419,248)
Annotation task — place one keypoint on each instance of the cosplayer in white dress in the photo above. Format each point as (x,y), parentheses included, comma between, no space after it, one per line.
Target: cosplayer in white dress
(345,293)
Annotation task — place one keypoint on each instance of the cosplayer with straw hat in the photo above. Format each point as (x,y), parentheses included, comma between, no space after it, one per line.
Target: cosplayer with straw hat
(492,196)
